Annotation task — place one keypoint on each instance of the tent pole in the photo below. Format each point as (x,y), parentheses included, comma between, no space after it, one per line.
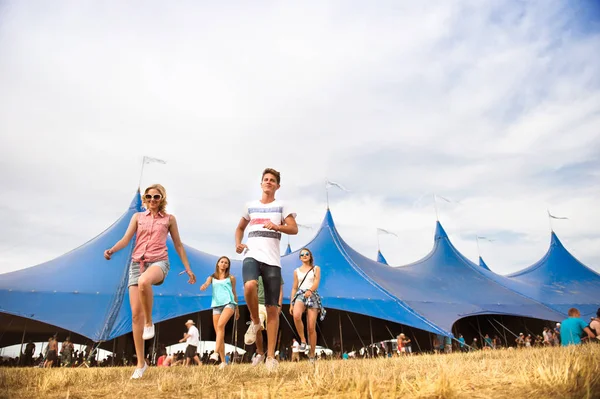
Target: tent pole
(114,349)
(479,330)
(371,328)
(341,338)
(504,332)
(323,336)
(22,340)
(353,326)
(416,340)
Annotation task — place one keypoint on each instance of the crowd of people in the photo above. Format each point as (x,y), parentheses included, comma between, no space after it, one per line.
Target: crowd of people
(264,221)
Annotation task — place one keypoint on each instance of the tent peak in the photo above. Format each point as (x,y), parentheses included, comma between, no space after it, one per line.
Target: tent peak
(381,258)
(483,264)
(439,231)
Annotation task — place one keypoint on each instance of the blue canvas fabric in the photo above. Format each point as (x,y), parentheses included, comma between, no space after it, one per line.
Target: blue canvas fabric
(345,285)
(559,281)
(483,264)
(445,286)
(381,259)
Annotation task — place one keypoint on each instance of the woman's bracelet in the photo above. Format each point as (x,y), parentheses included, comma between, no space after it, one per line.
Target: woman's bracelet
(310,290)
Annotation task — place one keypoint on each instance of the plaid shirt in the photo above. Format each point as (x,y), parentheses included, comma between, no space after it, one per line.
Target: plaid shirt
(313,301)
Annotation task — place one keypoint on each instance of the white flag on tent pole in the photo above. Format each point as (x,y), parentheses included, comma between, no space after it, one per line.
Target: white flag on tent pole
(383,231)
(556,217)
(153,160)
(330,184)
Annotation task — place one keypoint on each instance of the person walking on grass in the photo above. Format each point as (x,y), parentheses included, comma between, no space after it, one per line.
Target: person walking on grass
(52,356)
(224,304)
(306,298)
(573,328)
(262,314)
(149,264)
(192,338)
(267,219)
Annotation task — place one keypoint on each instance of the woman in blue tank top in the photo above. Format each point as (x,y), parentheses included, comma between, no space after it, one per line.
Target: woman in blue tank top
(224,304)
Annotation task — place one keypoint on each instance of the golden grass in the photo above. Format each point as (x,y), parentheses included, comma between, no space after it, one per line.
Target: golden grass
(572,372)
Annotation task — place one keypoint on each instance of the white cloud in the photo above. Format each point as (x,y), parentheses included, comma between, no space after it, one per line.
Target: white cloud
(490,104)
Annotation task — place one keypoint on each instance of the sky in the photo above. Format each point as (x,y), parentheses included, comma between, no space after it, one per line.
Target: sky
(494,105)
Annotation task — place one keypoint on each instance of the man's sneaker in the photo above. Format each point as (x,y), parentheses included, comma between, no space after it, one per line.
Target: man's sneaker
(138,373)
(148,332)
(222,366)
(302,347)
(214,356)
(271,364)
(258,359)
(250,336)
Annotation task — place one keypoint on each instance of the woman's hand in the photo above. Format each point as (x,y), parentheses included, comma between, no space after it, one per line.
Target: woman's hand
(237,313)
(203,287)
(191,275)
(307,293)
(107,254)
(291,310)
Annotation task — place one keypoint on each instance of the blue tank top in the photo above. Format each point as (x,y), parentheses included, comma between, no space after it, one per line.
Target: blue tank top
(222,293)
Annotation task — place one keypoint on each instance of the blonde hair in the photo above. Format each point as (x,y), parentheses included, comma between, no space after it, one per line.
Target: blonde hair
(163,202)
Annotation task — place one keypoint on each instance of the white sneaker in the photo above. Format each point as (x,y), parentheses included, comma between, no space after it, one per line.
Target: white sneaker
(214,356)
(148,332)
(138,373)
(271,364)
(250,336)
(258,359)
(222,366)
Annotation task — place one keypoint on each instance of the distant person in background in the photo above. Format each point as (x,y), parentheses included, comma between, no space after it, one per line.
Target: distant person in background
(488,342)
(462,344)
(29,351)
(295,351)
(224,303)
(192,337)
(149,264)
(572,329)
(52,357)
(520,340)
(595,325)
(66,352)
(556,335)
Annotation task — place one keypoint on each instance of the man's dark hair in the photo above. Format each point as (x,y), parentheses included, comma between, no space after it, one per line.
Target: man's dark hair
(272,172)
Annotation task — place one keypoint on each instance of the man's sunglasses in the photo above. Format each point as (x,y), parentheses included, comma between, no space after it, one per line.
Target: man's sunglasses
(156,197)
(304,254)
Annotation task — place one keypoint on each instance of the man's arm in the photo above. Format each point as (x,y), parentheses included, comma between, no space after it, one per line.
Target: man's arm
(589,333)
(239,235)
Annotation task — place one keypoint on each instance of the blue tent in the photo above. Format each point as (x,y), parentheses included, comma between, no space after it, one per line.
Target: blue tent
(344,284)
(560,281)
(445,287)
(86,294)
(380,258)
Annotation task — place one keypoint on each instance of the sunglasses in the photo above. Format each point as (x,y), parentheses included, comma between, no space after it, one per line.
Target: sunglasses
(304,254)
(156,197)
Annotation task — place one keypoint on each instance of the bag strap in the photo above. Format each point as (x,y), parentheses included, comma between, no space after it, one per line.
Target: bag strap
(306,275)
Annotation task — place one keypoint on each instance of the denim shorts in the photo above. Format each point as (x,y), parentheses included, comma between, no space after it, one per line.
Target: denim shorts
(220,309)
(134,271)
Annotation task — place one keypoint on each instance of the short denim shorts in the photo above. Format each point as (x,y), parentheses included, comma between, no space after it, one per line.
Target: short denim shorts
(134,271)
(220,309)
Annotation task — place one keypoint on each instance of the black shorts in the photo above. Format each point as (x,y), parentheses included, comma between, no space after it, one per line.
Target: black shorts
(190,351)
(271,276)
(52,356)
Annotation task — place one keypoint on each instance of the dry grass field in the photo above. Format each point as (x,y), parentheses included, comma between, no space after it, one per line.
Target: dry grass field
(534,373)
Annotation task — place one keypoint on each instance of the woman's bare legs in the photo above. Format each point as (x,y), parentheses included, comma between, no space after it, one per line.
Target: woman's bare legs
(311,321)
(298,310)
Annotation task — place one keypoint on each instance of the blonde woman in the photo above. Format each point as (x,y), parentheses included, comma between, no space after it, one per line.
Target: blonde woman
(224,303)
(149,264)
(306,298)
